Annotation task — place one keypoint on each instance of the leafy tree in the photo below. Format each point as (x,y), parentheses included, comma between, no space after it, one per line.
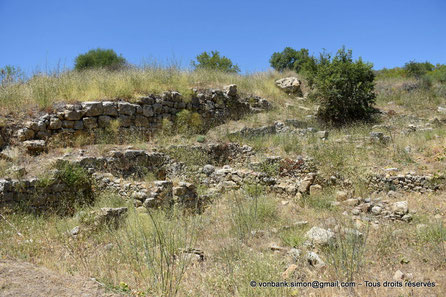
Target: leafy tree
(99,58)
(215,61)
(345,89)
(290,59)
(417,69)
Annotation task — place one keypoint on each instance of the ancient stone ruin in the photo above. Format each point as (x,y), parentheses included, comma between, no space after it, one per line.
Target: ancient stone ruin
(213,105)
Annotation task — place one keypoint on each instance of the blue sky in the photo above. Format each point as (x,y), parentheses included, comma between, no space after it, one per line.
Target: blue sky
(40,34)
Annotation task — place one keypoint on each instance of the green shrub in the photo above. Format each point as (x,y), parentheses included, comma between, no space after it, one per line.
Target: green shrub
(215,62)
(72,174)
(99,58)
(189,122)
(438,74)
(396,72)
(344,88)
(166,127)
(417,69)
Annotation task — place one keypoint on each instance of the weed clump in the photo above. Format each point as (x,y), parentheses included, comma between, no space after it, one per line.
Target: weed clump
(188,122)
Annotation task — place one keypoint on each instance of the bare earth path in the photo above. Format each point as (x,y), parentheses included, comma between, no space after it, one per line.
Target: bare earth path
(26,279)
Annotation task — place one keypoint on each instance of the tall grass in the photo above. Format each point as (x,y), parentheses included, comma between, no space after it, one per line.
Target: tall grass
(43,90)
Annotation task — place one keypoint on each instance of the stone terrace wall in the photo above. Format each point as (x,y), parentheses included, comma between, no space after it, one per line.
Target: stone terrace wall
(36,195)
(135,163)
(405,182)
(214,106)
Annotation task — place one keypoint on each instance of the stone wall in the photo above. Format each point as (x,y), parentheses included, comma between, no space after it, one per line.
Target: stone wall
(135,163)
(213,105)
(38,195)
(213,153)
(404,182)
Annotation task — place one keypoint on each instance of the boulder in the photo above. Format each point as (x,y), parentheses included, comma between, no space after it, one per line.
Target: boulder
(304,186)
(322,134)
(32,125)
(291,85)
(68,124)
(231,90)
(41,126)
(314,260)
(315,189)
(161,195)
(208,169)
(400,208)
(376,210)
(320,236)
(111,217)
(186,194)
(125,121)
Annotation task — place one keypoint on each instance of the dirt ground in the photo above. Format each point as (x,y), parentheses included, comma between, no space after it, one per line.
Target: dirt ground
(25,279)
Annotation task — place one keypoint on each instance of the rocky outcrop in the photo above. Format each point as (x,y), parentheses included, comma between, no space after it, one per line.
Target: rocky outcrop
(111,217)
(291,85)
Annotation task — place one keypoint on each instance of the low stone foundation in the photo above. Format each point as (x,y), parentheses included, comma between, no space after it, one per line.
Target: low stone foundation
(135,163)
(37,195)
(408,183)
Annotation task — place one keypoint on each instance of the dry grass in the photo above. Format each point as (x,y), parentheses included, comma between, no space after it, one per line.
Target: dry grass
(44,90)
(138,257)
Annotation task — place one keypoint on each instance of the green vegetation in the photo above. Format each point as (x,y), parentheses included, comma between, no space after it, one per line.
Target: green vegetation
(72,175)
(10,74)
(189,122)
(417,70)
(214,61)
(291,59)
(344,89)
(346,252)
(99,58)
(251,212)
